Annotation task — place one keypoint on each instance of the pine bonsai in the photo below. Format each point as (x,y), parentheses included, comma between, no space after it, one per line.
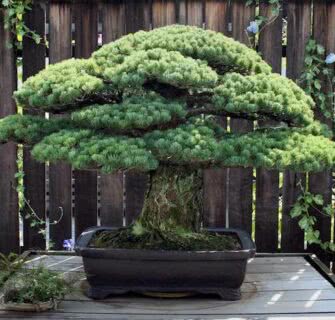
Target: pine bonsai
(150,102)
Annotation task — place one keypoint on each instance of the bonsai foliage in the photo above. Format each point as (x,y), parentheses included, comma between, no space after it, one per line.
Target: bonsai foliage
(151,101)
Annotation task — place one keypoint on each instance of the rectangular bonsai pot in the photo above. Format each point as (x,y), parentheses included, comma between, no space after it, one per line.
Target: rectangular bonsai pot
(117,271)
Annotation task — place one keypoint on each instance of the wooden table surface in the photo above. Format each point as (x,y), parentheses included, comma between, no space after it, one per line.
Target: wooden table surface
(275,288)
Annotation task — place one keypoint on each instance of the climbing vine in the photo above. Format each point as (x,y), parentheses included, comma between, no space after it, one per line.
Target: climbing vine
(257,26)
(318,77)
(14,21)
(307,222)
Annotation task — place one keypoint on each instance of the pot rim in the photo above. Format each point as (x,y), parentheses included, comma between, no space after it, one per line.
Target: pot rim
(248,249)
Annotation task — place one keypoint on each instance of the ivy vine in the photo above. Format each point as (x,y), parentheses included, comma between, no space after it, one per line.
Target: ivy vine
(318,77)
(307,222)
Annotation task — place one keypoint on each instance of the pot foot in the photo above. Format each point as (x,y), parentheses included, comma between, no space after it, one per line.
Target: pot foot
(97,293)
(229,294)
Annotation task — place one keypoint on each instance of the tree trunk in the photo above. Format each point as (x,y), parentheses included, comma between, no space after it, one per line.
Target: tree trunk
(173,200)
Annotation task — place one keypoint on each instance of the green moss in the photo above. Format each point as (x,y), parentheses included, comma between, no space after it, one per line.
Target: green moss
(165,240)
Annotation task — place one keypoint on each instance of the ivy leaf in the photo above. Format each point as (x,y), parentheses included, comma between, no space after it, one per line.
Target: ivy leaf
(317,85)
(296,211)
(318,199)
(303,223)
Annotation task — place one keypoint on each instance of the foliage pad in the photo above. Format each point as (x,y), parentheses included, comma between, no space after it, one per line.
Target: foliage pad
(153,98)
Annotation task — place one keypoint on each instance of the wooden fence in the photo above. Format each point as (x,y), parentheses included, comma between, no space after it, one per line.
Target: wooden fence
(257,201)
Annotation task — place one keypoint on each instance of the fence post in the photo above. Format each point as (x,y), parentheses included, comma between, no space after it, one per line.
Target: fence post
(267,181)
(33,60)
(60,174)
(215,180)
(240,180)
(298,32)
(112,185)
(85,181)
(9,220)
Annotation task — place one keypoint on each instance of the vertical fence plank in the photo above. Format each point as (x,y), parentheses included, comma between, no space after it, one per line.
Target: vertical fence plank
(215,180)
(85,187)
(60,175)
(163,13)
(181,11)
(195,12)
(33,60)
(113,20)
(9,221)
(298,32)
(267,181)
(138,13)
(321,183)
(111,185)
(136,183)
(240,180)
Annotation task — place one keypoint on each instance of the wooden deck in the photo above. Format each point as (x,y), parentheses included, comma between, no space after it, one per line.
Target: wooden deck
(275,288)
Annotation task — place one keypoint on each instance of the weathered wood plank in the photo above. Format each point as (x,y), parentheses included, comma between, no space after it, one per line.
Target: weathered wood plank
(321,183)
(298,32)
(267,181)
(195,12)
(111,199)
(163,13)
(113,20)
(111,185)
(60,174)
(136,184)
(85,188)
(240,180)
(33,60)
(140,13)
(198,307)
(215,180)
(102,316)
(9,221)
(217,15)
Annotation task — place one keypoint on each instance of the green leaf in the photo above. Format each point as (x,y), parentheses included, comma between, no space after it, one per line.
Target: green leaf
(296,211)
(318,199)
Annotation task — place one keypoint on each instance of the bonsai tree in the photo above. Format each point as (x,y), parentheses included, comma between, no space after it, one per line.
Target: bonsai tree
(150,102)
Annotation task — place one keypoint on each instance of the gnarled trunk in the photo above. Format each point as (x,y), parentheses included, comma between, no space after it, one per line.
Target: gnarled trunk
(173,200)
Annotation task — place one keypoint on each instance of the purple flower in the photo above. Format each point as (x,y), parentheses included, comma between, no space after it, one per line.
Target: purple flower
(253,27)
(68,244)
(330,58)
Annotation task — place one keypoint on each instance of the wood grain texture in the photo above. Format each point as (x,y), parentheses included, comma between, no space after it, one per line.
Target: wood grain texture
(111,185)
(298,32)
(267,181)
(321,183)
(138,13)
(195,13)
(9,219)
(60,174)
(240,180)
(136,183)
(217,15)
(163,13)
(33,60)
(274,288)
(215,180)
(85,188)
(113,20)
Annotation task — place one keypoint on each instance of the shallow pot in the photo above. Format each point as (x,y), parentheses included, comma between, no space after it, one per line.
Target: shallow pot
(30,307)
(116,271)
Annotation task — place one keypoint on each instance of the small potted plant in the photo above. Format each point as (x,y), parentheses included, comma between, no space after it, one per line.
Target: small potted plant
(34,290)
(152,102)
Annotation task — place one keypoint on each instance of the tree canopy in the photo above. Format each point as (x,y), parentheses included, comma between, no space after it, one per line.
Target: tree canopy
(154,98)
